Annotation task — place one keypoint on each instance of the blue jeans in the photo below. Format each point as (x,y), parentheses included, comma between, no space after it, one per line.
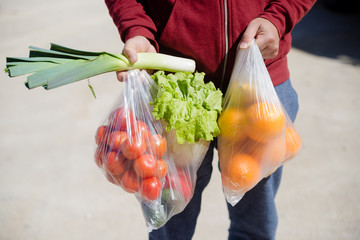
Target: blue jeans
(255,216)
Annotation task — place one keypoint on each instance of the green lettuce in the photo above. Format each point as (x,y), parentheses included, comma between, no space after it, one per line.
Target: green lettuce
(188,105)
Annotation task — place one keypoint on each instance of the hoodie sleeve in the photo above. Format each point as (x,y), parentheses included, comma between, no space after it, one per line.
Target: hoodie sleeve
(285,14)
(131,20)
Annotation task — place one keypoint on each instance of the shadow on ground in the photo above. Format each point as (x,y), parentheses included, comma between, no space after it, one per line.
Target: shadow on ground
(333,34)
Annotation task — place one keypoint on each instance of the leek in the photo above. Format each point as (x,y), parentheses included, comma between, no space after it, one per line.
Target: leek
(59,65)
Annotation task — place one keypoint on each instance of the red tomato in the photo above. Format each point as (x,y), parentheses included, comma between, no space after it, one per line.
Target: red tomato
(115,164)
(101,134)
(157,145)
(182,180)
(100,156)
(120,118)
(142,130)
(110,178)
(133,147)
(146,166)
(116,139)
(150,188)
(162,168)
(130,181)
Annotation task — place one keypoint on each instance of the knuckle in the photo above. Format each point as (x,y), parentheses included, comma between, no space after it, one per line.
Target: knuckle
(273,54)
(271,38)
(126,50)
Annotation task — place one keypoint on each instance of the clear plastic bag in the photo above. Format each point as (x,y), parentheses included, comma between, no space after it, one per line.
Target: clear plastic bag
(257,136)
(135,152)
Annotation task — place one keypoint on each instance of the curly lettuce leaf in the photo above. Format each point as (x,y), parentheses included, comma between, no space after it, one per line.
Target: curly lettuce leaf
(188,105)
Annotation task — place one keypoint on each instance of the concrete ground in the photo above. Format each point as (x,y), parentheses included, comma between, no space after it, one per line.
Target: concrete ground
(50,188)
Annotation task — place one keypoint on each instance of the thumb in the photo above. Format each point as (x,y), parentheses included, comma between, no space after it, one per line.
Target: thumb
(130,53)
(248,35)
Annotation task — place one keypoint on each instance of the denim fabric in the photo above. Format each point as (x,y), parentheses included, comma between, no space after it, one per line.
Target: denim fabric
(255,216)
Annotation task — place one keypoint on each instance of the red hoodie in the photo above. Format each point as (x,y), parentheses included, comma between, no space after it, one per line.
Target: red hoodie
(208,31)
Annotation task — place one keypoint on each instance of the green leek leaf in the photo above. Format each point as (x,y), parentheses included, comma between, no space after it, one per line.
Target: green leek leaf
(92,89)
(26,68)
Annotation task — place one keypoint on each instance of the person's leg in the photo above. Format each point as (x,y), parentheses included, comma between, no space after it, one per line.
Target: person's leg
(255,216)
(182,225)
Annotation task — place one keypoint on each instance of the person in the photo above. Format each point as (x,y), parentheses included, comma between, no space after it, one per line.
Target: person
(209,32)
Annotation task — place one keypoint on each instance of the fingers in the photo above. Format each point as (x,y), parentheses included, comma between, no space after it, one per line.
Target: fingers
(266,37)
(131,48)
(249,34)
(130,53)
(135,45)
(268,46)
(121,76)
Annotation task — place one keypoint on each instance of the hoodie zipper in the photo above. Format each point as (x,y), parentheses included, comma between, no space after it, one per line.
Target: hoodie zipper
(226,38)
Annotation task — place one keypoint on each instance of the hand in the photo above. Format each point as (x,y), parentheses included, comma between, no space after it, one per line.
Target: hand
(266,37)
(131,48)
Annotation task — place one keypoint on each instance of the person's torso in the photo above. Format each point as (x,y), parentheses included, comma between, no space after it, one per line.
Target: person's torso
(207,31)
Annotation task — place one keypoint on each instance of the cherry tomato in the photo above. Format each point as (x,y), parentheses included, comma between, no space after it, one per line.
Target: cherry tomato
(133,147)
(130,181)
(182,179)
(162,168)
(146,166)
(120,118)
(101,134)
(116,139)
(115,164)
(157,145)
(150,188)
(142,130)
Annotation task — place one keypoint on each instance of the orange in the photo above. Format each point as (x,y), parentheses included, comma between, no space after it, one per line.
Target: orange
(226,149)
(247,146)
(293,142)
(292,145)
(232,123)
(232,97)
(241,95)
(266,120)
(248,94)
(270,154)
(240,173)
